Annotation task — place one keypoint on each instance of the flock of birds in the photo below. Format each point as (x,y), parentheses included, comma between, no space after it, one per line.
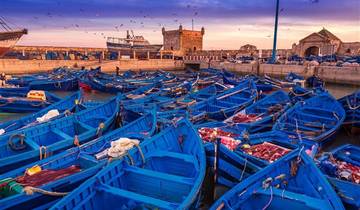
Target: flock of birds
(142,20)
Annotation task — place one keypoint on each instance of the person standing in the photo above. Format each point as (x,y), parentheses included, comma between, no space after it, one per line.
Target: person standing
(117,71)
(3,79)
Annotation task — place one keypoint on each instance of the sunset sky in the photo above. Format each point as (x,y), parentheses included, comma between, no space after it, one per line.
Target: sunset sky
(228,23)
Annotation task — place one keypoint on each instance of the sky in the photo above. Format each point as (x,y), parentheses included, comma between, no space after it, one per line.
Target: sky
(228,24)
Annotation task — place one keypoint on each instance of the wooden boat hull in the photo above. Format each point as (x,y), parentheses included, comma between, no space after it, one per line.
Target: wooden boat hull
(67,84)
(351,104)
(34,143)
(348,191)
(148,182)
(261,115)
(83,156)
(67,104)
(293,181)
(315,120)
(17,102)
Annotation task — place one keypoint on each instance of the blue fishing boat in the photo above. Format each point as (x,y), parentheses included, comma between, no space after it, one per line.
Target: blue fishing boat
(342,168)
(31,144)
(96,80)
(24,81)
(314,120)
(58,79)
(315,82)
(293,181)
(165,172)
(27,187)
(224,105)
(261,115)
(181,96)
(351,104)
(63,83)
(13,90)
(64,107)
(291,77)
(26,101)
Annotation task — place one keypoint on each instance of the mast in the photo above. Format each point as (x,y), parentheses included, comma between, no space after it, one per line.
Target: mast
(273,56)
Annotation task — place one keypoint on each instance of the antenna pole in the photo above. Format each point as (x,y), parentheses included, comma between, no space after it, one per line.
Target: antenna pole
(273,57)
(192,23)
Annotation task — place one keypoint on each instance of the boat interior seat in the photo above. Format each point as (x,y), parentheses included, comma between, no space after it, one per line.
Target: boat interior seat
(225,103)
(61,133)
(301,127)
(318,110)
(236,99)
(132,196)
(314,116)
(303,200)
(175,163)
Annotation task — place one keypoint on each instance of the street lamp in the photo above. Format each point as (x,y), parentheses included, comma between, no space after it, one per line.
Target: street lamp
(273,56)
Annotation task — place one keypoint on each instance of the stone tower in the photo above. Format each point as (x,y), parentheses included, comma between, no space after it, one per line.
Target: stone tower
(182,41)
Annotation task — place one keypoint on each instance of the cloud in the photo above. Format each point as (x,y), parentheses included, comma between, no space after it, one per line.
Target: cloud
(318,9)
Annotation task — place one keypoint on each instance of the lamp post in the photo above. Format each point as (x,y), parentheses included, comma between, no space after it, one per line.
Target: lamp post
(273,55)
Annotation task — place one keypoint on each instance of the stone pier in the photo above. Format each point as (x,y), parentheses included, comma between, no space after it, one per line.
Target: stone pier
(15,66)
(332,74)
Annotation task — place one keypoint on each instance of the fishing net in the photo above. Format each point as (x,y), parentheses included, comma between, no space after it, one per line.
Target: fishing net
(245,118)
(266,151)
(341,169)
(226,138)
(46,176)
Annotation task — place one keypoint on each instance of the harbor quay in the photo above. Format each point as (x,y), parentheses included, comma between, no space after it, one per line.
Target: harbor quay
(337,75)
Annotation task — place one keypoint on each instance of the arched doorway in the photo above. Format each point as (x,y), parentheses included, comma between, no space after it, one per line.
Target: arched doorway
(312,51)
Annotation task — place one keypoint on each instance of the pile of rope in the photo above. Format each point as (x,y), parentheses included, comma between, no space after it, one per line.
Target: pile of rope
(120,147)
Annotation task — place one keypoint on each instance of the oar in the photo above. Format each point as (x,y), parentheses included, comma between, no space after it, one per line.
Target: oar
(230,94)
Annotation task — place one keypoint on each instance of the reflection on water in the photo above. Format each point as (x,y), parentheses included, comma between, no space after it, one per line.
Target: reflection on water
(88,95)
(339,91)
(10,116)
